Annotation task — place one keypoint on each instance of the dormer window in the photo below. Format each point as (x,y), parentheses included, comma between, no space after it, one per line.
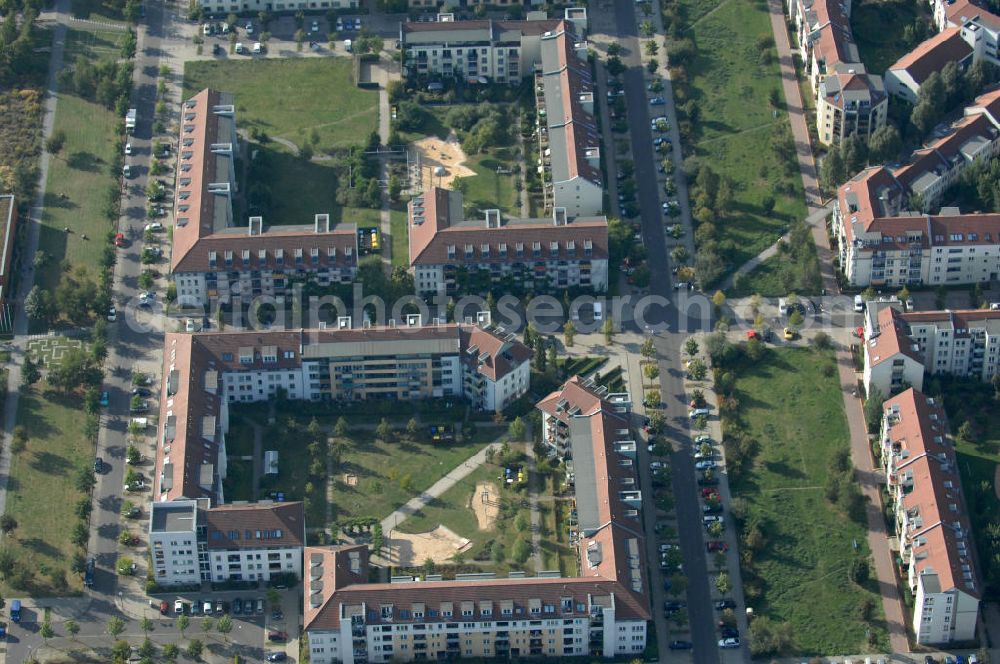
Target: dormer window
(298,256)
(279,256)
(314,255)
(519,249)
(246,258)
(451,251)
(484,250)
(536,249)
(468,251)
(503,250)
(212,258)
(588,248)
(229,258)
(262,256)
(553,248)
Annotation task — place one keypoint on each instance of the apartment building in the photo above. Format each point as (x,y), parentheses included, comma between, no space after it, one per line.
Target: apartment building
(892,359)
(8,236)
(222,7)
(191,542)
(904,78)
(936,547)
(882,242)
(203,373)
(569,140)
(576,398)
(958,343)
(849,99)
(600,613)
(980,27)
(214,256)
(534,254)
(501,51)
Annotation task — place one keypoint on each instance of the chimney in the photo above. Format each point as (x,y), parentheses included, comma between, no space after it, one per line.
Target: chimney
(322,223)
(256,225)
(493,219)
(559,216)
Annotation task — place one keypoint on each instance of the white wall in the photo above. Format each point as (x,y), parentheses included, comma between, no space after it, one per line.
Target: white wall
(255,564)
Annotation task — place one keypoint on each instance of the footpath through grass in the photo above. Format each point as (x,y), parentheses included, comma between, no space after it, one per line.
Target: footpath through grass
(731,85)
(799,578)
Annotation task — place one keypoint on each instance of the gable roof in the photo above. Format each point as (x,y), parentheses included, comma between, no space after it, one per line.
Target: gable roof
(255,525)
(933,54)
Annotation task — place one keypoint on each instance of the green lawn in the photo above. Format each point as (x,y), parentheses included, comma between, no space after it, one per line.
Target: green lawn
(489,189)
(734,132)
(42,490)
(793,408)
(79,176)
(777,276)
(878,27)
(290,98)
(400,236)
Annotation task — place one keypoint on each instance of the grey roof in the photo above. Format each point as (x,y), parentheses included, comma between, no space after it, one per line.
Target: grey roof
(582,443)
(173,517)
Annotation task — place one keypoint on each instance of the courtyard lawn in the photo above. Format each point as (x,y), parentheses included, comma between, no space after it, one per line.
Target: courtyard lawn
(731,89)
(42,491)
(289,99)
(490,189)
(79,176)
(879,29)
(400,237)
(792,406)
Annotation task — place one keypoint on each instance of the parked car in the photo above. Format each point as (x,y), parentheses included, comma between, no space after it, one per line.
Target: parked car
(704,465)
(119,239)
(729,643)
(277,657)
(237,607)
(155,226)
(105,399)
(277,636)
(657,101)
(219,606)
(703,439)
(128,148)
(711,508)
(716,547)
(178,606)
(112,314)
(681,645)
(141,392)
(698,412)
(98,465)
(206,607)
(729,632)
(710,519)
(724,604)
(164,607)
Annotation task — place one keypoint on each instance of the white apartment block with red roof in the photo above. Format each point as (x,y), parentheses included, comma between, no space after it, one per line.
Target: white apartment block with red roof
(904,78)
(980,27)
(849,99)
(602,612)
(215,257)
(936,546)
(880,243)
(906,345)
(558,252)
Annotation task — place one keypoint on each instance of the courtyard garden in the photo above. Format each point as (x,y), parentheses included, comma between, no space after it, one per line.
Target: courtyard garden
(799,512)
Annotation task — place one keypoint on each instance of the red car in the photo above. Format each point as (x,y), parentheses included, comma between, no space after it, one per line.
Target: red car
(277,636)
(163,607)
(120,239)
(710,492)
(715,547)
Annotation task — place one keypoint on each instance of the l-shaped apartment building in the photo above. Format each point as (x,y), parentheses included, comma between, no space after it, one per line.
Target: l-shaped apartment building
(881,242)
(901,347)
(603,611)
(849,100)
(213,257)
(935,538)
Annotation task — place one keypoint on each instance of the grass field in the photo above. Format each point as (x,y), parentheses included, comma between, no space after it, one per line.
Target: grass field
(79,176)
(489,189)
(736,125)
(291,98)
(878,27)
(400,236)
(794,410)
(41,490)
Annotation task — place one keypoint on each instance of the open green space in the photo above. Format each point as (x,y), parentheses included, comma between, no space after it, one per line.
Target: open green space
(400,236)
(42,492)
(794,269)
(799,578)
(971,408)
(490,188)
(731,85)
(291,99)
(80,175)
(884,30)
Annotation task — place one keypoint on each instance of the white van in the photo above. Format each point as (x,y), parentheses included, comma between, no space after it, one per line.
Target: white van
(598,311)
(258,48)
(859,304)
(347,45)
(239,47)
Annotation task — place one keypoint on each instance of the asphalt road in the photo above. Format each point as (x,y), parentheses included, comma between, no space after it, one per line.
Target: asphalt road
(668,344)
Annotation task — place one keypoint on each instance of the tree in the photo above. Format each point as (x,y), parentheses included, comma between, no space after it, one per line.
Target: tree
(698,370)
(873,409)
(56,141)
(72,627)
(884,144)
(340,428)
(115,626)
(38,304)
(569,332)
(8,524)
(383,430)
(608,329)
(194,646)
(516,430)
(207,624)
(795,320)
(120,651)
(722,583)
(183,622)
(833,171)
(412,428)
(224,626)
(30,373)
(46,631)
(170,651)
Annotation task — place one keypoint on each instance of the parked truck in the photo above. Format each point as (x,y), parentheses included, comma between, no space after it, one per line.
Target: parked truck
(130,120)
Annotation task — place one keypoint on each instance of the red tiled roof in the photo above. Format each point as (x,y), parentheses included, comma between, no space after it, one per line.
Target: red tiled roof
(933,54)
(255,525)
(576,395)
(892,340)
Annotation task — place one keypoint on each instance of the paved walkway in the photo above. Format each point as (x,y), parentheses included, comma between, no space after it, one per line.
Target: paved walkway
(536,519)
(803,148)
(870,480)
(27,277)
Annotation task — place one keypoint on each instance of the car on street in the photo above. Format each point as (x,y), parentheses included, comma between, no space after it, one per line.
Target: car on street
(178,606)
(119,239)
(155,226)
(98,465)
(105,399)
(164,607)
(729,643)
(112,314)
(723,604)
(704,465)
(729,632)
(128,148)
(698,412)
(277,657)
(657,101)
(681,645)
(710,519)
(277,636)
(716,547)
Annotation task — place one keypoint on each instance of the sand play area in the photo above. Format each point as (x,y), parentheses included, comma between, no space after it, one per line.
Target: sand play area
(439,545)
(437,156)
(486,504)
